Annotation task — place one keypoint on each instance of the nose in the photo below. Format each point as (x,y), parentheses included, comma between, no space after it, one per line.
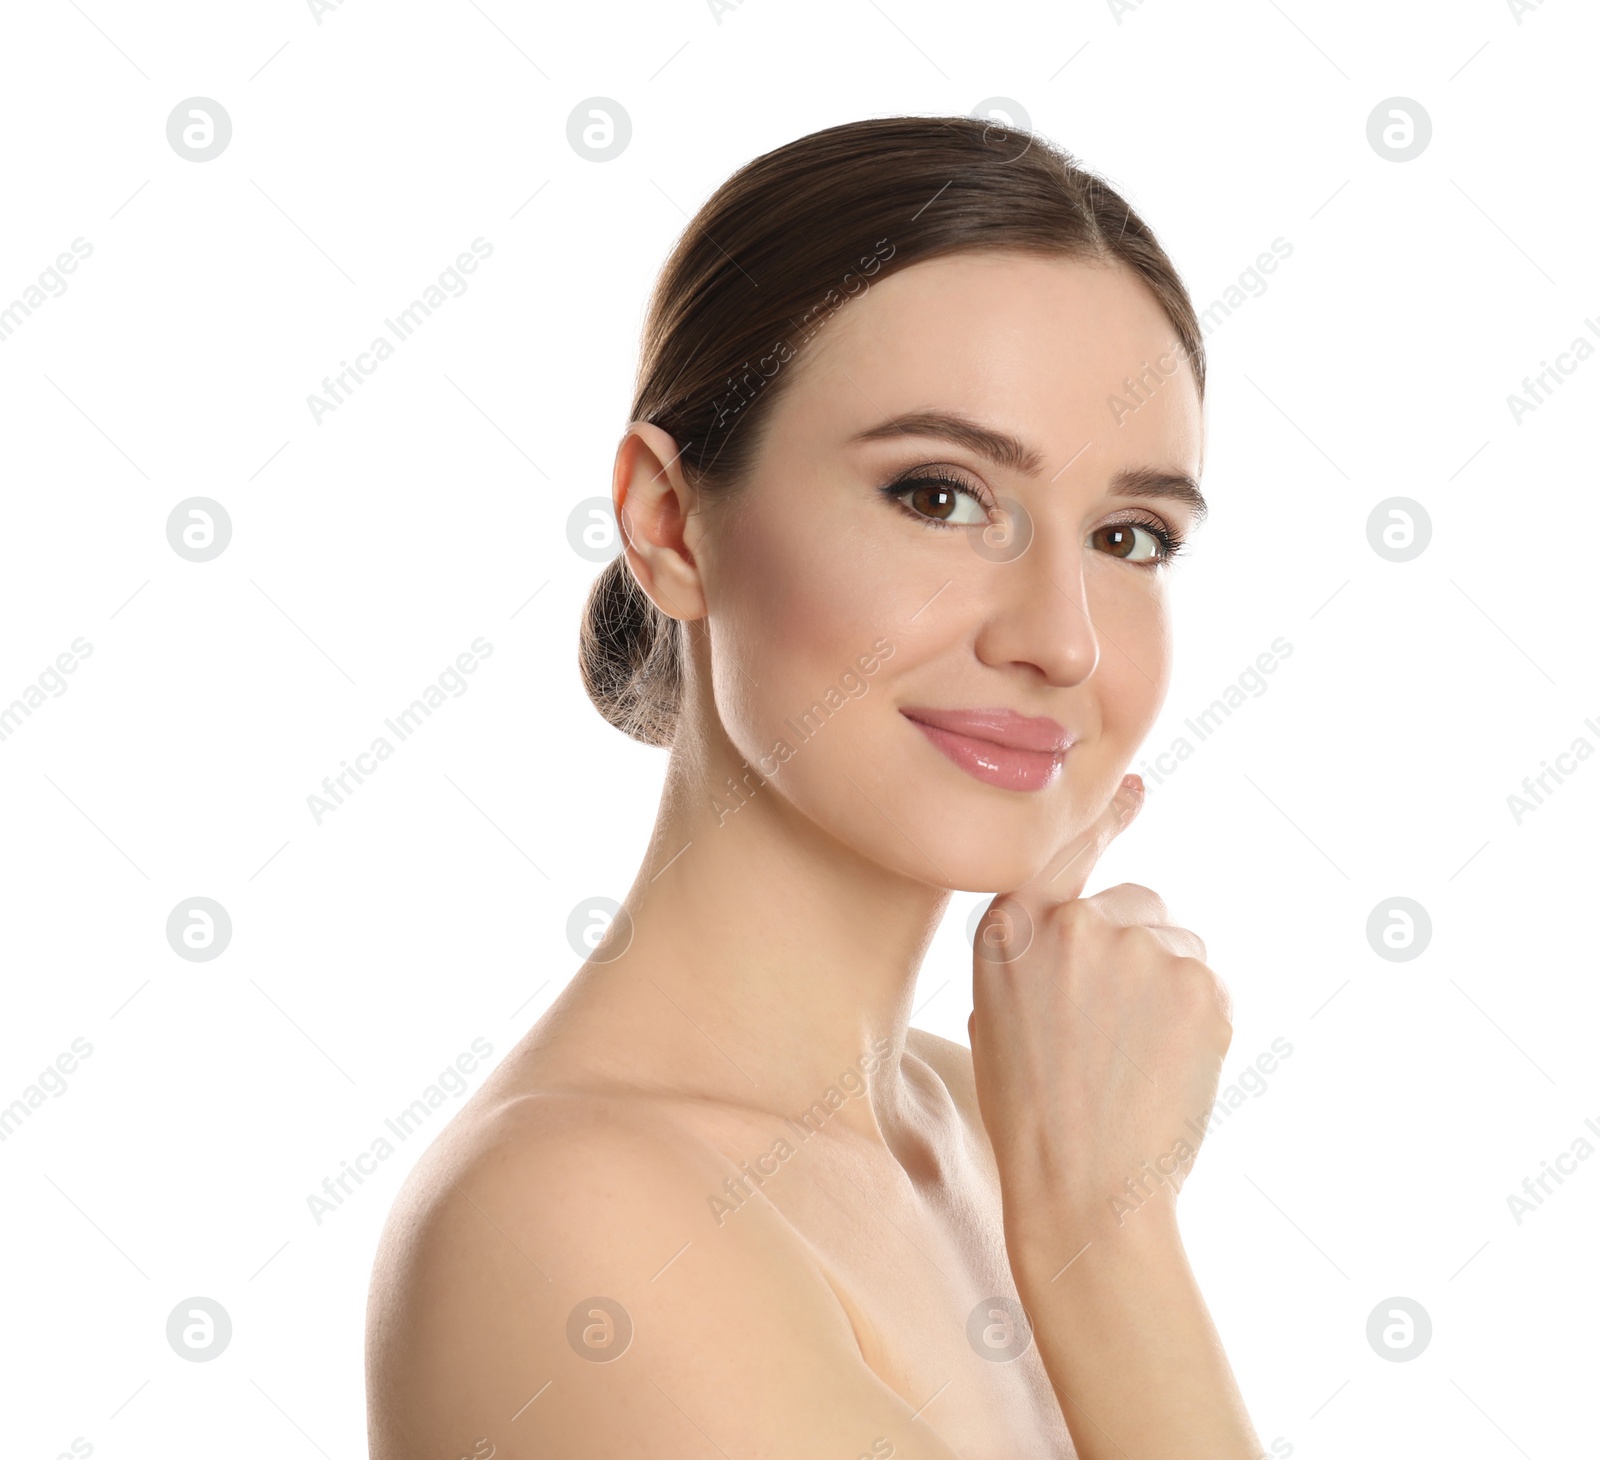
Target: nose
(1039,615)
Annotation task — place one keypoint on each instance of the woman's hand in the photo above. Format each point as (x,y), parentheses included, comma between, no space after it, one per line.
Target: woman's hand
(1098,1034)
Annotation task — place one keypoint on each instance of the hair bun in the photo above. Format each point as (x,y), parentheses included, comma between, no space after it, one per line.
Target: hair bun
(628,656)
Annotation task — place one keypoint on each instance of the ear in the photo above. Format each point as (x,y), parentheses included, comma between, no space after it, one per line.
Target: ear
(653,503)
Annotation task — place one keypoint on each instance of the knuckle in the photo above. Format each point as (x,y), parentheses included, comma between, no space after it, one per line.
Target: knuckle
(1146,938)
(1196,982)
(1076,919)
(1224,1002)
(1141,901)
(1205,997)
(1146,947)
(1189,940)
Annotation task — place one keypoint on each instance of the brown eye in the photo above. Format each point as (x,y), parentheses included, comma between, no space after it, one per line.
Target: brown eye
(935,501)
(938,502)
(1122,540)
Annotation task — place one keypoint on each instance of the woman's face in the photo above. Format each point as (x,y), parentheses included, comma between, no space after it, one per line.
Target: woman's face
(835,608)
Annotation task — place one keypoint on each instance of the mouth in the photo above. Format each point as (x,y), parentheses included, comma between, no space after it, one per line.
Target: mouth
(997,746)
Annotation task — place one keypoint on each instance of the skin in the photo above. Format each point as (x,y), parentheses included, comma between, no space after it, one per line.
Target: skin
(772,947)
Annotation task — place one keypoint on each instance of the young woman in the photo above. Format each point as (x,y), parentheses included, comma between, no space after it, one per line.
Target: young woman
(917,433)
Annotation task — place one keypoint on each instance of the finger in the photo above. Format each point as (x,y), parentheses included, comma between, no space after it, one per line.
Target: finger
(1006,931)
(1179,940)
(1130,905)
(1063,877)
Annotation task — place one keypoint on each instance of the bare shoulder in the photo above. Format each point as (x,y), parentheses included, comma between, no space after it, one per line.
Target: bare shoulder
(556,1277)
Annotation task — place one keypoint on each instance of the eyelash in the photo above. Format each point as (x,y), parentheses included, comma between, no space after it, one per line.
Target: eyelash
(931,476)
(1171,543)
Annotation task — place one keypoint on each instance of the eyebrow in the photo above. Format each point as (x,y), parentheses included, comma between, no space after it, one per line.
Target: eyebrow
(1016,455)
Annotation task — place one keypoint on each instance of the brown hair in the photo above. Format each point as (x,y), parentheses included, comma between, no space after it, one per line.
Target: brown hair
(761,266)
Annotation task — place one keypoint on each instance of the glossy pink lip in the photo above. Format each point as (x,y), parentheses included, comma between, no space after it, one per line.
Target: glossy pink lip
(997,746)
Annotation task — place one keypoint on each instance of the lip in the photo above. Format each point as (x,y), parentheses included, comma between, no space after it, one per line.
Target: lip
(996,745)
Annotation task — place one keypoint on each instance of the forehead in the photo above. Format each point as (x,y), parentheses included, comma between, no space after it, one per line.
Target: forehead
(1036,345)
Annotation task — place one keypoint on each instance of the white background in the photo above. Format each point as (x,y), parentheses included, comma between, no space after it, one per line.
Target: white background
(370,549)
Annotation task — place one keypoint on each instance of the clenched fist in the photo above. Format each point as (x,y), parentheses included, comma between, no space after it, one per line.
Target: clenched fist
(1098,1034)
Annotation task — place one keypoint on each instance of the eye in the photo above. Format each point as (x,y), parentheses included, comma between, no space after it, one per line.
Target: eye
(1123,540)
(939,499)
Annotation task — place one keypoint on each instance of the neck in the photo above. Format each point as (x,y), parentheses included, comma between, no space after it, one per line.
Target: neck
(766,958)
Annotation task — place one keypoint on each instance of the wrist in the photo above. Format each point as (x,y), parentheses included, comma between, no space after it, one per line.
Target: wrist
(1050,1241)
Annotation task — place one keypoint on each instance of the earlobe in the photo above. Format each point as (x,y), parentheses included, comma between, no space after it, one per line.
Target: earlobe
(652,500)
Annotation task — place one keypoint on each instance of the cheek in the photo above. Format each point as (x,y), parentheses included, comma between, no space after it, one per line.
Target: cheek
(804,604)
(1135,665)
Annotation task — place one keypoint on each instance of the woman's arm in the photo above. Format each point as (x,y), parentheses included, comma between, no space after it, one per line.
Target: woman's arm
(1098,1035)
(1130,1347)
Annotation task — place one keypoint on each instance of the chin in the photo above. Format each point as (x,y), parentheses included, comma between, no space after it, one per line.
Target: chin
(935,823)
(1003,866)
(991,842)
